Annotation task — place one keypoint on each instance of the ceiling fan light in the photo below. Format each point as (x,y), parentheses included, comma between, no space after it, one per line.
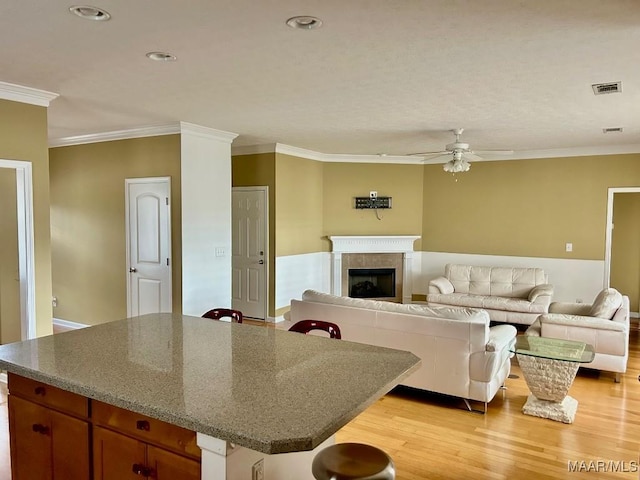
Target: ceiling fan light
(456,166)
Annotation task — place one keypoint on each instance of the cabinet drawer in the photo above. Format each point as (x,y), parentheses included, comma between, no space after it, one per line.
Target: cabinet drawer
(49,396)
(145,428)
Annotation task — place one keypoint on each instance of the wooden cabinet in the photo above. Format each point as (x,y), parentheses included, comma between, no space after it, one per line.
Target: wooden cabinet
(45,442)
(50,432)
(119,457)
(128,445)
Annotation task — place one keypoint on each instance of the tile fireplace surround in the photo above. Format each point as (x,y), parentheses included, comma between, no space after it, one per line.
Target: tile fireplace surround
(372,244)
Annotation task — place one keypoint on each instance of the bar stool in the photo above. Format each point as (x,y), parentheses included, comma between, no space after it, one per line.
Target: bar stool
(352,461)
(305,326)
(218,313)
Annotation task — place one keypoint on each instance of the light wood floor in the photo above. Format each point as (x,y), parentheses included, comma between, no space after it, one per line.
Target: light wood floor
(433,437)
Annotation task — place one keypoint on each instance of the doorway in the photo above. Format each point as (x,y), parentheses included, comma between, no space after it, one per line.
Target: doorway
(148,241)
(26,271)
(622,243)
(249,247)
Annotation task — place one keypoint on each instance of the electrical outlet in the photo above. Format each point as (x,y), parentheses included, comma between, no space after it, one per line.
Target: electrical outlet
(569,247)
(257,470)
(373,194)
(54,301)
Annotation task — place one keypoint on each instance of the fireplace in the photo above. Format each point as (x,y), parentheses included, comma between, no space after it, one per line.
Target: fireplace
(369,252)
(372,282)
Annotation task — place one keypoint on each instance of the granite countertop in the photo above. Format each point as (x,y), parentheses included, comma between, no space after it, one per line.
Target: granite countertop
(262,388)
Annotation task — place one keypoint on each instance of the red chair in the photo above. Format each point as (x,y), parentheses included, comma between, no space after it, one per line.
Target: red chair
(218,313)
(305,326)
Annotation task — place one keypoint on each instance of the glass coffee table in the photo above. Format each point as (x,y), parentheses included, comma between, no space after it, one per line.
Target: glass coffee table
(549,366)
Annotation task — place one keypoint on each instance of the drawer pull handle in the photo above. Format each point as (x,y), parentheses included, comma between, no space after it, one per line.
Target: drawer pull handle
(39,428)
(143,425)
(141,470)
(40,391)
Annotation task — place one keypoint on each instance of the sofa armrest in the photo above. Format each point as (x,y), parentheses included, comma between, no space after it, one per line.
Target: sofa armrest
(440,285)
(581,321)
(570,308)
(500,337)
(543,290)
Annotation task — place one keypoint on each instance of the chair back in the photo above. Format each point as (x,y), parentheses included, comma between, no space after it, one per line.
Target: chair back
(218,313)
(305,326)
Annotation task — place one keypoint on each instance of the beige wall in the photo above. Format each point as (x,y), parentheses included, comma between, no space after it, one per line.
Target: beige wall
(260,170)
(23,136)
(625,246)
(299,194)
(88,222)
(10,325)
(524,208)
(344,181)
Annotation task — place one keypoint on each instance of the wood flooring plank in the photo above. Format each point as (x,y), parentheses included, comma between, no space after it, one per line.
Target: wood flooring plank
(431,436)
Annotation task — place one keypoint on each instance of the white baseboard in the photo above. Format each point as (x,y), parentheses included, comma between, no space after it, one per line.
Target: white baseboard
(65,325)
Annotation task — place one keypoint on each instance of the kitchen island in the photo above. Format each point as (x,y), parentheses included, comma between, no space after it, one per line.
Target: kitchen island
(251,393)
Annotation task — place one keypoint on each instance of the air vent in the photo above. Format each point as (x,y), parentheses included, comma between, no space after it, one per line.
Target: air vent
(602,88)
(612,130)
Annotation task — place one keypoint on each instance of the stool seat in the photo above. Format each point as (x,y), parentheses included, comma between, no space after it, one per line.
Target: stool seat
(352,461)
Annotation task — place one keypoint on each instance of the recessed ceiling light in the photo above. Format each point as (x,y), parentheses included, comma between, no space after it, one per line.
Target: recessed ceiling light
(161,57)
(90,13)
(304,22)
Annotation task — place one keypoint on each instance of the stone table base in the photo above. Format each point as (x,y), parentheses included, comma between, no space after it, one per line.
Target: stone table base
(564,411)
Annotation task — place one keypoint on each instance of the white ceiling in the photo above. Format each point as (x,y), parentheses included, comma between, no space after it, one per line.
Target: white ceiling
(387,76)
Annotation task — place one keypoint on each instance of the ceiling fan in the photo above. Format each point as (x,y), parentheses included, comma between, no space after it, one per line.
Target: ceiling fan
(461,154)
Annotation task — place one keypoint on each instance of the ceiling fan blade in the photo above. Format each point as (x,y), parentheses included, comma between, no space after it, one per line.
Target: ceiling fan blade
(427,154)
(494,152)
(471,156)
(437,157)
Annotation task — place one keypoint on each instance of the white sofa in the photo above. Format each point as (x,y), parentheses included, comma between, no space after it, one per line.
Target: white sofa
(508,294)
(461,356)
(603,324)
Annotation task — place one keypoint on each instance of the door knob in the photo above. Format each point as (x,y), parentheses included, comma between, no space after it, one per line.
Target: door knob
(261,262)
(133,270)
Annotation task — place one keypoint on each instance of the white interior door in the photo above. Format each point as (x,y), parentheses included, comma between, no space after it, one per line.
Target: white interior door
(148,245)
(249,251)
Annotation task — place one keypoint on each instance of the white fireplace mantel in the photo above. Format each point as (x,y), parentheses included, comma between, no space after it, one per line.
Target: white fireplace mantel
(373,244)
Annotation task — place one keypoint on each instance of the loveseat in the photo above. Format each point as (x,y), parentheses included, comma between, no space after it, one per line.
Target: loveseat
(508,294)
(461,355)
(604,324)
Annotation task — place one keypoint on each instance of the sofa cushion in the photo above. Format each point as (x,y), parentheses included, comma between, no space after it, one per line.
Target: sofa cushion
(606,303)
(511,282)
(487,302)
(452,313)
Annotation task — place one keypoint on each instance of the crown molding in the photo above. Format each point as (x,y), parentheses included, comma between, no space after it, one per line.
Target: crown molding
(199,130)
(416,160)
(148,131)
(32,96)
(567,152)
(140,132)
(322,157)
(253,149)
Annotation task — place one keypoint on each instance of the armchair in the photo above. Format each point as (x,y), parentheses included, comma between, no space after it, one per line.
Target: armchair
(603,324)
